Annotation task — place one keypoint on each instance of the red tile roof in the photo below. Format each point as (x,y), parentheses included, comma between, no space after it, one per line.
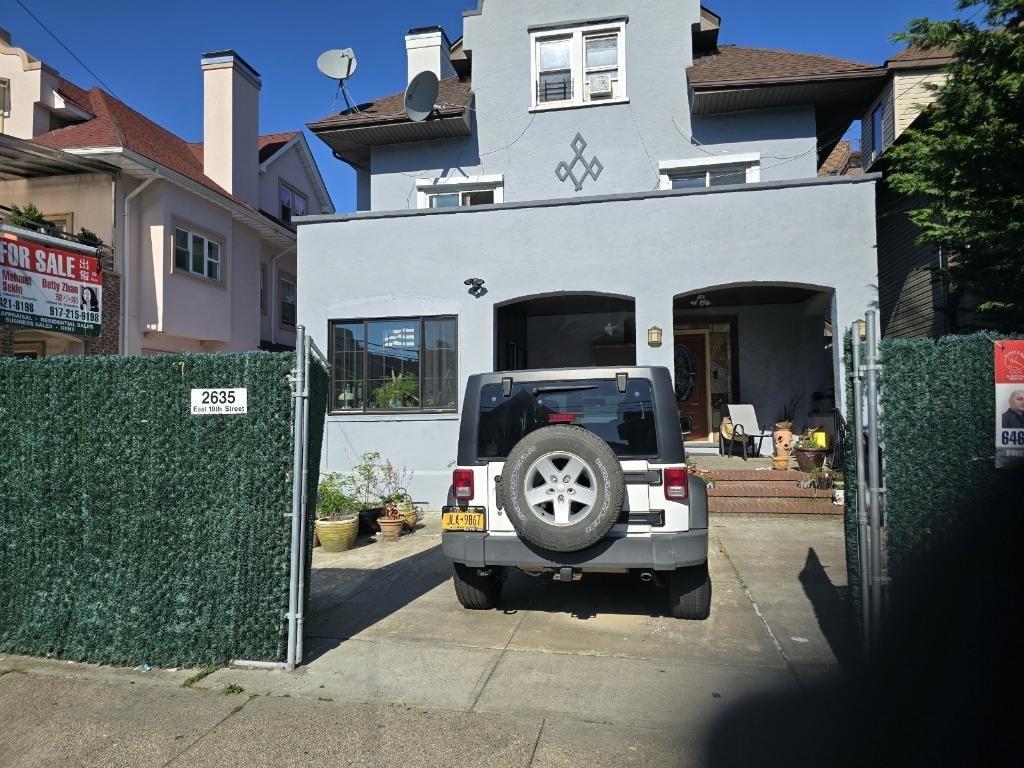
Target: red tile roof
(736,65)
(453,96)
(268,145)
(116,125)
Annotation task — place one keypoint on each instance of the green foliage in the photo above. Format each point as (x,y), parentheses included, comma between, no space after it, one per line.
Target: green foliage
(88,237)
(402,391)
(202,673)
(375,482)
(26,216)
(232,690)
(131,531)
(967,163)
(336,497)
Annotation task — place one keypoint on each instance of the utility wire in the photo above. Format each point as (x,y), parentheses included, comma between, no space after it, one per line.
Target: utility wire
(72,53)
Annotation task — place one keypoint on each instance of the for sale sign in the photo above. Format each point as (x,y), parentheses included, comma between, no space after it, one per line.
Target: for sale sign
(1009,366)
(49,288)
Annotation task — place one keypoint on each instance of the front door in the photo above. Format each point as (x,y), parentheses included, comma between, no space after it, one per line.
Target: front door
(691,364)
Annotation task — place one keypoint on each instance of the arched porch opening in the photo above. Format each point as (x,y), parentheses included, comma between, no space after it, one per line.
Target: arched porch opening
(565,330)
(766,344)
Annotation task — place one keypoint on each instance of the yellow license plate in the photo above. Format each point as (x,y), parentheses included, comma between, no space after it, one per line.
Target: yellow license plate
(463,521)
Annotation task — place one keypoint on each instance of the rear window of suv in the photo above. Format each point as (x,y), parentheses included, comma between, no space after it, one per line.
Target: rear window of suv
(624,420)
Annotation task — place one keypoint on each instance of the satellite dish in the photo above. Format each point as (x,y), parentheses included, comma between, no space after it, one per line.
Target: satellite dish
(337,64)
(421,96)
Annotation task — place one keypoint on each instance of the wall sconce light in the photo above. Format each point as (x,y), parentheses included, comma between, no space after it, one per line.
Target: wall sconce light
(654,336)
(476,287)
(862,329)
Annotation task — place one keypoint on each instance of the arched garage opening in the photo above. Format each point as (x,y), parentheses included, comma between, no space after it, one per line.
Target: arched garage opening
(766,344)
(565,331)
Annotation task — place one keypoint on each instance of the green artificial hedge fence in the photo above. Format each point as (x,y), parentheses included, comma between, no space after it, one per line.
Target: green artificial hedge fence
(131,531)
(938,417)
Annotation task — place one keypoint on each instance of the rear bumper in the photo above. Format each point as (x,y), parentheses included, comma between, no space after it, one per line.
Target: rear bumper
(661,551)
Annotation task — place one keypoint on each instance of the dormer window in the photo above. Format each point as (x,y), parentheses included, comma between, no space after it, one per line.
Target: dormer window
(578,66)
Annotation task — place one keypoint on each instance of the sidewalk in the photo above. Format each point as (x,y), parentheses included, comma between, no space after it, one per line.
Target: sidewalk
(591,674)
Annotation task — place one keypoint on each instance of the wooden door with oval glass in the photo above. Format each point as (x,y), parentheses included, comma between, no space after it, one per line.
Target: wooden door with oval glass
(693,385)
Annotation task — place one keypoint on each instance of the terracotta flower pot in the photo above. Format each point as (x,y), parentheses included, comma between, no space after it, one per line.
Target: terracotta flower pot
(809,460)
(337,535)
(390,529)
(780,462)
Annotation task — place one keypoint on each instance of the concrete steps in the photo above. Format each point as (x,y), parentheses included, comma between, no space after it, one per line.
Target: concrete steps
(767,492)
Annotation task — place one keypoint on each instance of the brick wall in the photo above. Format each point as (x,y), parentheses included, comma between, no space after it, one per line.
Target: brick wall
(109,340)
(6,340)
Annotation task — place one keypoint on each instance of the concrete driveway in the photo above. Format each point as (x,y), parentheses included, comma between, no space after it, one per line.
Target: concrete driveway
(588,674)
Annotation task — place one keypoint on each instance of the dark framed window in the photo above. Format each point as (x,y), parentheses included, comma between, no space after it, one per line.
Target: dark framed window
(394,365)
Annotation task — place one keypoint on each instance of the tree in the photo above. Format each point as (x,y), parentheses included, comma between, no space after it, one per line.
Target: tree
(967,161)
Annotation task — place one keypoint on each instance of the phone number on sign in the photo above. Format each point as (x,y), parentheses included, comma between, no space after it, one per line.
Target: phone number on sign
(18,305)
(67,313)
(1012,437)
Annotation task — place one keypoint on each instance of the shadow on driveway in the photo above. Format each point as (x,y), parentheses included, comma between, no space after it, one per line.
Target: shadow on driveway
(831,608)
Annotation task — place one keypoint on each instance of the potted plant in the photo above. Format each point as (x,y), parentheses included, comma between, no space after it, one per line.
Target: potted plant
(401,391)
(337,521)
(391,522)
(809,456)
(392,490)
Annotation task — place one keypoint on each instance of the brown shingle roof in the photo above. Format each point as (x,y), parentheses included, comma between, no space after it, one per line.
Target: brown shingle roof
(913,57)
(453,97)
(116,125)
(736,65)
(268,145)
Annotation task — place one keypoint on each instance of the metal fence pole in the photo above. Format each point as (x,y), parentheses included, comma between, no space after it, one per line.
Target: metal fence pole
(299,396)
(863,534)
(874,477)
(304,512)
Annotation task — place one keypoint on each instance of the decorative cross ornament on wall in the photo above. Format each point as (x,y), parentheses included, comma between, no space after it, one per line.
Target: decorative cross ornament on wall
(591,168)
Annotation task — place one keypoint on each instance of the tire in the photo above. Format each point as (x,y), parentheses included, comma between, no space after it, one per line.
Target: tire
(689,592)
(563,516)
(476,592)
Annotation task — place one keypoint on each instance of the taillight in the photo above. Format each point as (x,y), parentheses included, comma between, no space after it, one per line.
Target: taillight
(462,484)
(677,483)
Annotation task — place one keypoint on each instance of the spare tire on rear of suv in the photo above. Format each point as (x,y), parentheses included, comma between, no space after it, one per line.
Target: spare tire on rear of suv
(562,488)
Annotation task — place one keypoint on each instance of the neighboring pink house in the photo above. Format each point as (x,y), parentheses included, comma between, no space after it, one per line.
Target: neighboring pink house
(198,240)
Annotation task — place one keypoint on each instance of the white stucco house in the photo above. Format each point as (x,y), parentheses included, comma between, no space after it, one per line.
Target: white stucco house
(624,188)
(198,240)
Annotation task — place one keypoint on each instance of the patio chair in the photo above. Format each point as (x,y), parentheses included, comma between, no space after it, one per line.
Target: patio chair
(746,430)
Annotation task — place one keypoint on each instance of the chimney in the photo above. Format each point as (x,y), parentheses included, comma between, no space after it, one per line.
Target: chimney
(428,49)
(231,114)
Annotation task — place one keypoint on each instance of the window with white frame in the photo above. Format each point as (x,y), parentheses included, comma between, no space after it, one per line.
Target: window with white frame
(460,192)
(292,203)
(579,65)
(196,254)
(698,173)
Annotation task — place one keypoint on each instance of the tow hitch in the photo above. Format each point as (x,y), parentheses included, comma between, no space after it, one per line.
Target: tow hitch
(568,574)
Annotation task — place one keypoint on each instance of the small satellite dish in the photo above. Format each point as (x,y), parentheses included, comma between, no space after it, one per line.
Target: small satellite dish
(421,96)
(337,64)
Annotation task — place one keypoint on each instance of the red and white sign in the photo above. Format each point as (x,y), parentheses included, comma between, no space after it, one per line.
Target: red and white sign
(50,288)
(1009,369)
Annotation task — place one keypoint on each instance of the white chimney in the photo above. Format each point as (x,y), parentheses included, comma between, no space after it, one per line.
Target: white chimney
(231,116)
(429,50)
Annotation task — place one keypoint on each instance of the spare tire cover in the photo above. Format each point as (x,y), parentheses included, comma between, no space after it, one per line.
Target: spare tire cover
(562,488)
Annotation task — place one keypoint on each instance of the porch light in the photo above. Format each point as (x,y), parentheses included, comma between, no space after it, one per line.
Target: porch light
(654,336)
(862,329)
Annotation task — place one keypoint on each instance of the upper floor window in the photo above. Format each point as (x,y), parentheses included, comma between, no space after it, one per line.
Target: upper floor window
(460,192)
(292,203)
(698,173)
(579,66)
(877,136)
(196,254)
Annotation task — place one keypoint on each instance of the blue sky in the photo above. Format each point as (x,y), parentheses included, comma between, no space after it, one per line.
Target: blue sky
(148,53)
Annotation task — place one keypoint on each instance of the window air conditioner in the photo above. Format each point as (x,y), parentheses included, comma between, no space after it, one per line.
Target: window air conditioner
(600,86)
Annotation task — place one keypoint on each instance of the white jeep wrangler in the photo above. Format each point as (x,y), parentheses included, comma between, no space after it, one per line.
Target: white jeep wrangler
(575,470)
